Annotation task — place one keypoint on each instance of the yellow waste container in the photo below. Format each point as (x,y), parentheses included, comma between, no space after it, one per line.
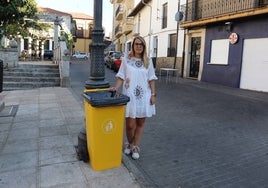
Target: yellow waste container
(104,112)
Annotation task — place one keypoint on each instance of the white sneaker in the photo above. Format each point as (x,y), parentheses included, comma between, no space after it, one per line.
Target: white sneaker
(135,152)
(127,149)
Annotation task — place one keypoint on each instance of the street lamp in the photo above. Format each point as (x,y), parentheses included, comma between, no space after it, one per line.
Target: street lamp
(178,17)
(97,71)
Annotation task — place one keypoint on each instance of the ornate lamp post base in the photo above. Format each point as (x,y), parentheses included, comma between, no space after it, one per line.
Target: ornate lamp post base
(97,68)
(91,84)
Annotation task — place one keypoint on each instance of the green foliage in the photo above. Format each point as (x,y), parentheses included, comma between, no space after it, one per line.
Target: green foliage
(17,16)
(68,39)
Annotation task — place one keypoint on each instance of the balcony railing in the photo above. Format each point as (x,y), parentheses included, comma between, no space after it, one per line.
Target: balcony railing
(118,30)
(204,9)
(119,12)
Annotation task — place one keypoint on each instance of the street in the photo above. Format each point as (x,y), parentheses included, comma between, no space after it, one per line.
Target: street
(79,73)
(203,135)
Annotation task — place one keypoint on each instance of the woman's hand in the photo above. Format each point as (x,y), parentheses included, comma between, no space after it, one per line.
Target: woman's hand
(152,100)
(130,55)
(112,89)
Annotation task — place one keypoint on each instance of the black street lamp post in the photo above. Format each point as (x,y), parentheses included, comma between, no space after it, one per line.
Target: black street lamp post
(177,35)
(97,71)
(178,17)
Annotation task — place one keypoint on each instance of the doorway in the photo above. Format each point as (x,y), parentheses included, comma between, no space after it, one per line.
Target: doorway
(195,57)
(254,71)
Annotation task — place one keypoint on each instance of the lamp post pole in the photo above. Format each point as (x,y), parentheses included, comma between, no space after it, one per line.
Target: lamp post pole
(177,36)
(178,17)
(97,71)
(56,38)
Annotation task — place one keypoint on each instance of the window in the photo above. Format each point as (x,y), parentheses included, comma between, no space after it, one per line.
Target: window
(155,46)
(172,45)
(46,45)
(26,44)
(90,28)
(164,16)
(128,46)
(219,52)
(80,32)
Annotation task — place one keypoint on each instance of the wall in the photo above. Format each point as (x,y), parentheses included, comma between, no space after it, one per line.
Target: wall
(229,75)
(163,34)
(9,57)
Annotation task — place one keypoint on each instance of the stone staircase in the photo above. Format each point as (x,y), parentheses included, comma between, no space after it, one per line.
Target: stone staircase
(31,75)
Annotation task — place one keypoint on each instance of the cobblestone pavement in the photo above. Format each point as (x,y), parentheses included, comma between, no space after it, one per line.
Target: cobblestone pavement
(203,136)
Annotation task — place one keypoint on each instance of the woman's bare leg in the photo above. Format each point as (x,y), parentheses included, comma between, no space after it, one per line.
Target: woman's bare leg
(130,129)
(138,131)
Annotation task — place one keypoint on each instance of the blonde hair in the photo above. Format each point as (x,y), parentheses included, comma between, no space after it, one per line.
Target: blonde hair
(145,58)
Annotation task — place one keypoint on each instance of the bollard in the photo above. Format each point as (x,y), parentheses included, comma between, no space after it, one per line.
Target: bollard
(1,75)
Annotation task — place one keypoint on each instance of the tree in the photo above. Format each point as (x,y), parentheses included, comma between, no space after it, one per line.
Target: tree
(17,16)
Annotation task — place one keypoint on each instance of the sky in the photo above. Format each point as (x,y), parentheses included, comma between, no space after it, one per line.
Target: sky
(82,6)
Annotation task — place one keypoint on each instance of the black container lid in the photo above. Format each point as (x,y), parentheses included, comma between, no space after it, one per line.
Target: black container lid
(105,98)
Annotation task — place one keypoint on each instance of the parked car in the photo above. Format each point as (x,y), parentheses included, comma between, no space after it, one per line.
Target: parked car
(108,59)
(113,61)
(48,54)
(80,55)
(116,61)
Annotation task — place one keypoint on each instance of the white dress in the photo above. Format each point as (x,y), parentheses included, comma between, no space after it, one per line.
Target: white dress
(136,86)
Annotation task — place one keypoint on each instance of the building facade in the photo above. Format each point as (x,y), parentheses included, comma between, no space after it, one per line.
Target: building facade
(217,41)
(82,39)
(33,46)
(155,21)
(122,24)
(77,25)
(226,42)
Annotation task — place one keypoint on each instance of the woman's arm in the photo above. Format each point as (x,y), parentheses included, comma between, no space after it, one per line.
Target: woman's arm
(118,84)
(153,94)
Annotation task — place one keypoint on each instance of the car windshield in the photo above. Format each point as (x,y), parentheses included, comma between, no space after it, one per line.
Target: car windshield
(117,55)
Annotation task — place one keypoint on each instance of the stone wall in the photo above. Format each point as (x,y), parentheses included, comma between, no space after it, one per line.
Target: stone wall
(9,56)
(167,62)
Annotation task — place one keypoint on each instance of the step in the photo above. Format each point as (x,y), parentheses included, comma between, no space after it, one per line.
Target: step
(2,105)
(29,84)
(31,70)
(29,76)
(31,79)
(37,65)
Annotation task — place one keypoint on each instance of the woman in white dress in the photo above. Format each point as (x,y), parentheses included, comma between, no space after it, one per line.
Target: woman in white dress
(137,76)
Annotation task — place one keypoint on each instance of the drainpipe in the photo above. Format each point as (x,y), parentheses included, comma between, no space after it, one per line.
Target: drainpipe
(150,26)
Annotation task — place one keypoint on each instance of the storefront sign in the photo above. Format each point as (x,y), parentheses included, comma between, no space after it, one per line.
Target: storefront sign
(233,38)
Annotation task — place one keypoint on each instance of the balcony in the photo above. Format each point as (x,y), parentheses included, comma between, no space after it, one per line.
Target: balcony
(118,31)
(201,12)
(119,12)
(128,26)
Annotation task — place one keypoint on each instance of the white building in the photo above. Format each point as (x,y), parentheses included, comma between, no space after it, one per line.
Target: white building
(155,21)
